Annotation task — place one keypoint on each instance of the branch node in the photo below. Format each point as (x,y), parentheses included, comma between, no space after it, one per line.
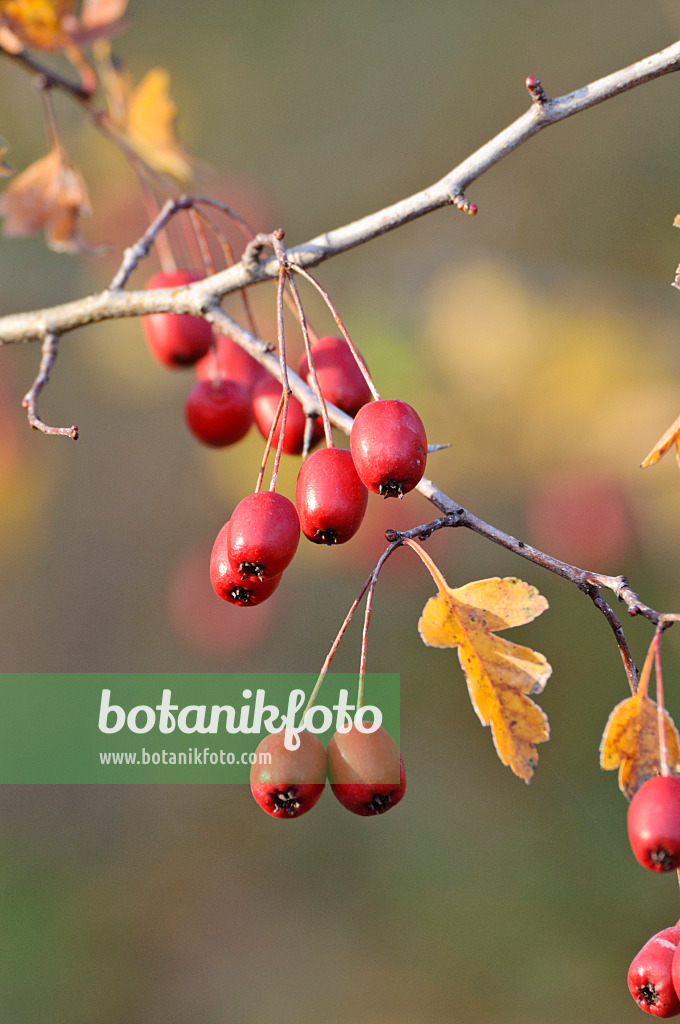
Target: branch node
(536,91)
(461,202)
(253,251)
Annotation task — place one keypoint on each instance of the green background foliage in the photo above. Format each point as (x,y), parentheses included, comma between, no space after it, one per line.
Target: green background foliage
(538,338)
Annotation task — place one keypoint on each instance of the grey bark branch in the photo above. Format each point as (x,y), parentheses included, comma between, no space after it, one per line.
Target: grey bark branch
(205,295)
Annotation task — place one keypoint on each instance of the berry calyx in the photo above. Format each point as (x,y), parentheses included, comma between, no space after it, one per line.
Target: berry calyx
(650,975)
(218,412)
(366,770)
(389,447)
(228,583)
(266,398)
(341,381)
(293,781)
(329,496)
(176,339)
(227,359)
(262,535)
(654,823)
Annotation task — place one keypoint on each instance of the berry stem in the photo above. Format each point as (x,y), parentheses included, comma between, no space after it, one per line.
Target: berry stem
(230,260)
(370,583)
(364,636)
(336,316)
(268,446)
(201,240)
(312,369)
(660,708)
(277,238)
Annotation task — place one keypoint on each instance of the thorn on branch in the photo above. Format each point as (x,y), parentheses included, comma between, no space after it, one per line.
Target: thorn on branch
(536,91)
(50,349)
(461,202)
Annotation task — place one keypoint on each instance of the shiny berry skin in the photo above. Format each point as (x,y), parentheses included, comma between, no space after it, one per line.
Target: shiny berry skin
(389,447)
(341,381)
(366,771)
(654,823)
(176,339)
(228,583)
(262,535)
(266,397)
(218,412)
(295,779)
(329,496)
(650,976)
(228,359)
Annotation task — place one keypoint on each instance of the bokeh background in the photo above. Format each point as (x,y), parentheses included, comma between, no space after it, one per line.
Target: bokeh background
(538,338)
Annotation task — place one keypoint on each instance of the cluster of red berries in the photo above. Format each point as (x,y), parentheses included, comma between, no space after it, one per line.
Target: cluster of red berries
(365,771)
(654,833)
(387,455)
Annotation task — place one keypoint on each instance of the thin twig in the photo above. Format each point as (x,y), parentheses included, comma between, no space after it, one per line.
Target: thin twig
(50,349)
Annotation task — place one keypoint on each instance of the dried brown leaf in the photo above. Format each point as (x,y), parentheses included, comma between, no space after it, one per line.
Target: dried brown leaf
(49,195)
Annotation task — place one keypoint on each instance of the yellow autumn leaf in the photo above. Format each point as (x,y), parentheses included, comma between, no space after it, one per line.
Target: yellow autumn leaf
(150,125)
(38,23)
(630,742)
(666,441)
(499,674)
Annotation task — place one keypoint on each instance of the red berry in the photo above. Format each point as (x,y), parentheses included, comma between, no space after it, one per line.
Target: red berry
(654,823)
(228,359)
(650,976)
(228,583)
(266,397)
(329,496)
(176,339)
(389,447)
(218,411)
(366,771)
(262,535)
(294,780)
(341,381)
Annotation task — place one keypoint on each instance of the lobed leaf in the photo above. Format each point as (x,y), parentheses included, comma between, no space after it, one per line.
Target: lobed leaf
(630,742)
(500,675)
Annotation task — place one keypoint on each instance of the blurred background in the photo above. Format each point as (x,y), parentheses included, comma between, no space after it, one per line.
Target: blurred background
(540,340)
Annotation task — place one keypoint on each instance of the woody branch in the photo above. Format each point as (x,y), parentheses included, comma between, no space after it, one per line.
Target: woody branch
(204,299)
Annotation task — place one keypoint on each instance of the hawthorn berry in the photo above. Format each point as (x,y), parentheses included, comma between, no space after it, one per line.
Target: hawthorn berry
(329,496)
(341,381)
(218,412)
(650,976)
(365,770)
(176,339)
(266,398)
(227,359)
(228,583)
(294,780)
(389,447)
(654,823)
(262,535)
